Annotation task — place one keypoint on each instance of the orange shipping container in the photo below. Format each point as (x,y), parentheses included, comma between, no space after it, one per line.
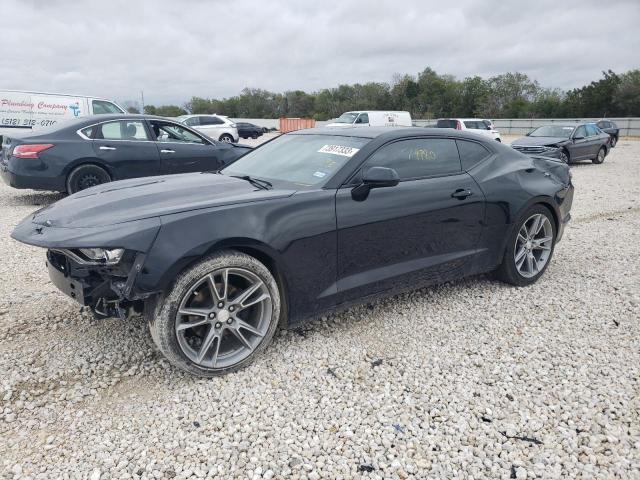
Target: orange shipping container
(291,124)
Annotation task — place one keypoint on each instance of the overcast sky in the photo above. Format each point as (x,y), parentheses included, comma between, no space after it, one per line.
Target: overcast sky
(175,49)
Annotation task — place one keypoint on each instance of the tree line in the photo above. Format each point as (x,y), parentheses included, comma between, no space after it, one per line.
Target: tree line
(431,95)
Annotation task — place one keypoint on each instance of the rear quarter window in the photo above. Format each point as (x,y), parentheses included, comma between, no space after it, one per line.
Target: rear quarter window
(471,153)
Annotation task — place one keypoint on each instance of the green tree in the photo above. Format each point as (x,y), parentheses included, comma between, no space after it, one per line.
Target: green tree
(165,110)
(509,95)
(626,99)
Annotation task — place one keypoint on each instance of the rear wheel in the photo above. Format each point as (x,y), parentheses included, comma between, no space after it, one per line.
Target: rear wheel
(86,176)
(225,137)
(600,156)
(614,140)
(529,248)
(219,315)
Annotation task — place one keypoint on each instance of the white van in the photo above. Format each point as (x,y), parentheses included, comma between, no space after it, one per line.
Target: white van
(373,118)
(27,111)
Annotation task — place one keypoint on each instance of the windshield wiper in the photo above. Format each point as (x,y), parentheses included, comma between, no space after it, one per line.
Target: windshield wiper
(256,182)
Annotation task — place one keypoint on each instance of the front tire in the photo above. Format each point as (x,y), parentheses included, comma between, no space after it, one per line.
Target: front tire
(564,156)
(529,249)
(254,135)
(600,156)
(86,176)
(219,315)
(225,137)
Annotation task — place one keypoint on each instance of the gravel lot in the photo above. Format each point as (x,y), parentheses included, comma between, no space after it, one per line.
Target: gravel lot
(473,379)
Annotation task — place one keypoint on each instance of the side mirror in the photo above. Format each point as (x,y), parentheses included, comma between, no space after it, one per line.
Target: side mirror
(375,177)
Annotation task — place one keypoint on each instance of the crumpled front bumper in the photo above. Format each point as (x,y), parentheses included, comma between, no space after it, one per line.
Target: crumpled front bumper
(100,286)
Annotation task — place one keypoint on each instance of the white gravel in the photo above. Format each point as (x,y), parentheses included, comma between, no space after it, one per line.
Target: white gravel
(473,379)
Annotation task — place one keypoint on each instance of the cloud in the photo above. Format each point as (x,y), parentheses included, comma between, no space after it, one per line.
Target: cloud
(175,49)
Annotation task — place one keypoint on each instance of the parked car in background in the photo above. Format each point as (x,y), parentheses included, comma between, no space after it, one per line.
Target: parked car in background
(249,130)
(610,128)
(217,127)
(217,262)
(22,111)
(373,118)
(475,125)
(570,142)
(78,154)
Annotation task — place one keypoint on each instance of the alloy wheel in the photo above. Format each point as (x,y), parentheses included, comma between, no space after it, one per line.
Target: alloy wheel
(533,245)
(223,318)
(564,157)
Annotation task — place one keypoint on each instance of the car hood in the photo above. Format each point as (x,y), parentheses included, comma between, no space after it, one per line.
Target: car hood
(539,141)
(128,200)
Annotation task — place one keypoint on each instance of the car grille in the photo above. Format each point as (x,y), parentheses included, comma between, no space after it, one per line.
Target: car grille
(531,150)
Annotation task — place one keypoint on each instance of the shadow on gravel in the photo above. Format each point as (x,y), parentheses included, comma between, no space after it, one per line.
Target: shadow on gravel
(35,199)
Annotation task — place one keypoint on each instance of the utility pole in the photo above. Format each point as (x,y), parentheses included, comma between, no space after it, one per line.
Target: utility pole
(142,98)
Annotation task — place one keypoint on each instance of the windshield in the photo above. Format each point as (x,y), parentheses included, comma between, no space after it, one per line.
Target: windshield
(348,117)
(552,131)
(304,160)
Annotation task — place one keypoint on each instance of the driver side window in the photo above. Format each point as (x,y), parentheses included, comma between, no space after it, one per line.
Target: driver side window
(172,133)
(417,158)
(581,132)
(592,130)
(363,118)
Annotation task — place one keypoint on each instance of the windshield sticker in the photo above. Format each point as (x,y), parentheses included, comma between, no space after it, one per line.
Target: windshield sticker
(339,150)
(320,174)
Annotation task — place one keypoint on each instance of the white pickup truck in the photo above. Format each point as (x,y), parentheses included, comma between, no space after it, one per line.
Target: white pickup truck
(26,111)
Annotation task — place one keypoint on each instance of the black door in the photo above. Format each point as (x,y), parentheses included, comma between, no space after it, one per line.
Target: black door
(412,233)
(125,146)
(182,150)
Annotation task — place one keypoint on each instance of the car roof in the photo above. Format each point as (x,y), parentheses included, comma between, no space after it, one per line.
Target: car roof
(388,132)
(563,124)
(123,116)
(58,94)
(191,115)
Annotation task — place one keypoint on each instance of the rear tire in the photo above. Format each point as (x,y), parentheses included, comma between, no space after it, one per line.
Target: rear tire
(614,141)
(86,176)
(535,240)
(600,156)
(206,342)
(225,137)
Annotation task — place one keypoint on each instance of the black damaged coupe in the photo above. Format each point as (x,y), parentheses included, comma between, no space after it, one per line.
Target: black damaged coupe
(311,221)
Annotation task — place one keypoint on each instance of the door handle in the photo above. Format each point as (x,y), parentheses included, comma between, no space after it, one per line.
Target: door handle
(462,193)
(107,148)
(167,151)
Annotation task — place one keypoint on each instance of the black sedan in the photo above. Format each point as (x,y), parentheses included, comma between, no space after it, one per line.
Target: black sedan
(569,142)
(611,129)
(249,130)
(78,154)
(311,221)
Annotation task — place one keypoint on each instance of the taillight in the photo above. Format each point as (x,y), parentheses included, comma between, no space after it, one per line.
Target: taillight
(30,151)
(458,125)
